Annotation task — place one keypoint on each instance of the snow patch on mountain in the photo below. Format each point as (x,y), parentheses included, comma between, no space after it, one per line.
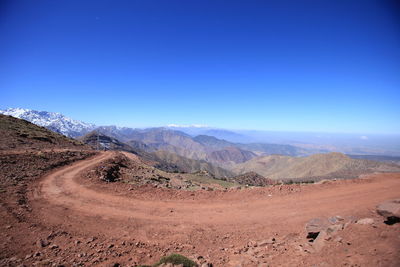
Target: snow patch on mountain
(52,121)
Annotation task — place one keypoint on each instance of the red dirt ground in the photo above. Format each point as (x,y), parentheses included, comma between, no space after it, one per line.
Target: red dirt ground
(73,221)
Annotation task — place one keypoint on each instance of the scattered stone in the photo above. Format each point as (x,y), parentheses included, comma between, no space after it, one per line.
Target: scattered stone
(41,243)
(252,244)
(90,240)
(338,239)
(365,221)
(390,210)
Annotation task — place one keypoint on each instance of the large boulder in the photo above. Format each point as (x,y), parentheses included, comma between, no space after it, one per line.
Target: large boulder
(390,208)
(320,241)
(316,225)
(366,221)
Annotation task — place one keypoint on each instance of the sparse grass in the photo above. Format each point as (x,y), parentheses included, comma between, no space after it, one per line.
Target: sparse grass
(208,180)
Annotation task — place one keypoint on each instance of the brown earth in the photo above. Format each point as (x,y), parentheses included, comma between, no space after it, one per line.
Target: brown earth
(22,135)
(68,219)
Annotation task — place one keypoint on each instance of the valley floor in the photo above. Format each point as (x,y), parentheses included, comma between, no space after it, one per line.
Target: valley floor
(72,221)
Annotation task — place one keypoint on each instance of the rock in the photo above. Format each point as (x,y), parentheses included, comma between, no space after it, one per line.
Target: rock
(319,242)
(365,221)
(266,242)
(338,239)
(334,228)
(41,243)
(335,219)
(316,225)
(390,210)
(346,225)
(252,244)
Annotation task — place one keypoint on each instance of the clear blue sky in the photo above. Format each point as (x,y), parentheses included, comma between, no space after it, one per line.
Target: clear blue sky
(269,65)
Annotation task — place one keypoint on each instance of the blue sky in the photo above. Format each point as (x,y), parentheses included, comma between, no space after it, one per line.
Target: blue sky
(331,66)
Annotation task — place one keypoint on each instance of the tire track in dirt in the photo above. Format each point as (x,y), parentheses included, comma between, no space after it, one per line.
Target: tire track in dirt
(61,188)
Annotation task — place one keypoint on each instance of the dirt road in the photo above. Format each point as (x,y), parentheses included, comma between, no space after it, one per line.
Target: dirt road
(211,224)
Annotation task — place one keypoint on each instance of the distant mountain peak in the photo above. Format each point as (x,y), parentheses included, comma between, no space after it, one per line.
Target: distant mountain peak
(51,120)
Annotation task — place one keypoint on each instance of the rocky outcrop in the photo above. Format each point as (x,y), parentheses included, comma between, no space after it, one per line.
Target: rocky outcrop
(390,210)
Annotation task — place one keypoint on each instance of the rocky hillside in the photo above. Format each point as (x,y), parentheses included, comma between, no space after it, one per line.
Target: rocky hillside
(20,134)
(318,166)
(231,155)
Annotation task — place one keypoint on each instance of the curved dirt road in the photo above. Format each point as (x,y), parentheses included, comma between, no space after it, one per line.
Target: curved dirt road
(234,217)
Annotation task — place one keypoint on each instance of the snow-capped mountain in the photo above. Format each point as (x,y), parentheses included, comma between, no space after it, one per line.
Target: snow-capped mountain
(51,120)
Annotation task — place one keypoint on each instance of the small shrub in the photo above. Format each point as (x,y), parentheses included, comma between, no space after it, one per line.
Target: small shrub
(176,259)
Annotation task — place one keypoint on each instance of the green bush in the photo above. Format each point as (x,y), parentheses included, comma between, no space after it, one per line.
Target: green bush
(176,259)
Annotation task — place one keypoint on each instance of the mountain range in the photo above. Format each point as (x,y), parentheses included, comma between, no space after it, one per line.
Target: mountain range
(171,149)
(315,167)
